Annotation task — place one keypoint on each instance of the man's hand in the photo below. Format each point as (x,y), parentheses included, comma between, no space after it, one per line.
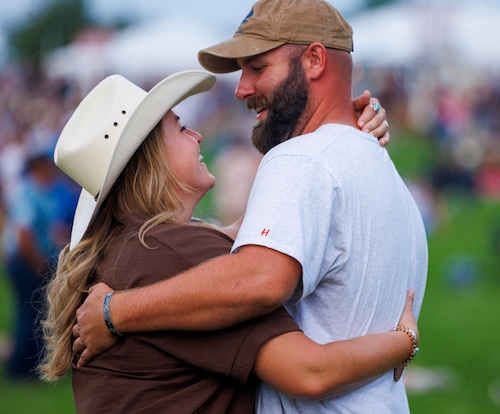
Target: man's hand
(372,117)
(91,333)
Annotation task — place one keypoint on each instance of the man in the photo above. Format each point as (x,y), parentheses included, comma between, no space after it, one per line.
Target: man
(330,228)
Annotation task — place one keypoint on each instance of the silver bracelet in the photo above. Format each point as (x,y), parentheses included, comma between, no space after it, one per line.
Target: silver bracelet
(107,315)
(414,340)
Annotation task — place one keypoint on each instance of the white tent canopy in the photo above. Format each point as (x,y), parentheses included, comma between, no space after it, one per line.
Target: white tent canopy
(410,33)
(167,45)
(144,51)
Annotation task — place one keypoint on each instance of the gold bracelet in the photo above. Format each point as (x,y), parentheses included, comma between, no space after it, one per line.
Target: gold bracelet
(414,340)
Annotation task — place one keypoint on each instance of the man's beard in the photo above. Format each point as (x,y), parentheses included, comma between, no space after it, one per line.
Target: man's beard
(287,105)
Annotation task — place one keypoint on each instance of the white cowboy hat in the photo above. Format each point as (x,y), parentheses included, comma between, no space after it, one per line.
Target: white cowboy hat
(106,129)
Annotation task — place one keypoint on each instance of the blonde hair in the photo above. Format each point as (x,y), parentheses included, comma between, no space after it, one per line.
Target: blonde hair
(146,187)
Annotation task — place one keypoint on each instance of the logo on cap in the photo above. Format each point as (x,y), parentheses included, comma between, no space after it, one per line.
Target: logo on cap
(245,20)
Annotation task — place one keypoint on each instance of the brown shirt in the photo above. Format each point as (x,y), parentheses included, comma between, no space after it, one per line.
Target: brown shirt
(173,372)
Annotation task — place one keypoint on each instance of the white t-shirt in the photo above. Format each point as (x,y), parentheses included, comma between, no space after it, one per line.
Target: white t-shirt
(334,201)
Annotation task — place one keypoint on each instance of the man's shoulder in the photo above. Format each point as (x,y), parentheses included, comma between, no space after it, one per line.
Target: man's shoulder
(329,142)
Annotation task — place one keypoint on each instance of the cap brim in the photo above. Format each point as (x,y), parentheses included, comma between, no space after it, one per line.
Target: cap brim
(221,58)
(163,97)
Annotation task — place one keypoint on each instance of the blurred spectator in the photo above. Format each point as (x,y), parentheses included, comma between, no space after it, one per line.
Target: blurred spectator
(37,223)
(488,177)
(426,202)
(452,115)
(235,168)
(450,177)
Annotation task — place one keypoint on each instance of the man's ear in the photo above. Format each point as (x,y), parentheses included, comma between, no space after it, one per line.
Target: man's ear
(315,60)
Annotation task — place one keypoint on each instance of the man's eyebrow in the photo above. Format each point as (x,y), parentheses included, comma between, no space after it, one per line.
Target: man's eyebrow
(248,60)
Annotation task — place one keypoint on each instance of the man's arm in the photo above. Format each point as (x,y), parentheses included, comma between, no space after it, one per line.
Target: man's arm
(216,294)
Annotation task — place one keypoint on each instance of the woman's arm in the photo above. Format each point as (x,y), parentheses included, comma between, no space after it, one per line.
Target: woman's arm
(233,229)
(301,368)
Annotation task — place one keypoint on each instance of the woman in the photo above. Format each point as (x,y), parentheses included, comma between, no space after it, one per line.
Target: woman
(142,177)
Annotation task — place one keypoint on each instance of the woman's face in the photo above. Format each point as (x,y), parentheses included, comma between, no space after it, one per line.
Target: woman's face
(183,155)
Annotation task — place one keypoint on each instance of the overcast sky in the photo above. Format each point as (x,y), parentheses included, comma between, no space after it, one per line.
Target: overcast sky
(224,13)
(214,10)
(217,12)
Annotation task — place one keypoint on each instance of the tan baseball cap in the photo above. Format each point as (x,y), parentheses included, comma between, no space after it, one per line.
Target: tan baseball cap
(273,23)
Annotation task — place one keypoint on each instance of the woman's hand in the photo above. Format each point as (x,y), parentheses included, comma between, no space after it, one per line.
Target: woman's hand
(407,320)
(372,117)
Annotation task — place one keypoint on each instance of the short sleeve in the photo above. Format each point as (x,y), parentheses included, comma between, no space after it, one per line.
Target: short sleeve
(290,210)
(229,352)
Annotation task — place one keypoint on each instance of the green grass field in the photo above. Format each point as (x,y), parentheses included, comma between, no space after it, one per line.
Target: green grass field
(458,324)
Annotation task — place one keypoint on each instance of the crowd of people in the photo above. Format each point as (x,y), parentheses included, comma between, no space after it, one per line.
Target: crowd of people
(37,205)
(460,126)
